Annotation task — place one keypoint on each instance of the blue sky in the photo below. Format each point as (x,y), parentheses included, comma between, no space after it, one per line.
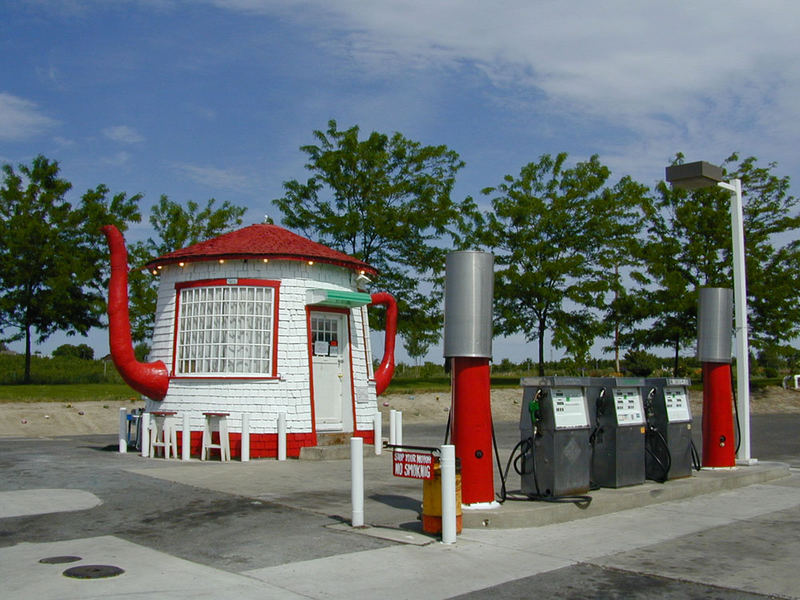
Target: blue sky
(199,99)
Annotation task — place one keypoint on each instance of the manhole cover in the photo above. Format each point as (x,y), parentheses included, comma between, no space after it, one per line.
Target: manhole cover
(93,571)
(57,560)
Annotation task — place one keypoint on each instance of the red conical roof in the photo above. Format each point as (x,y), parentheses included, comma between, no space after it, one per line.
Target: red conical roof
(259,242)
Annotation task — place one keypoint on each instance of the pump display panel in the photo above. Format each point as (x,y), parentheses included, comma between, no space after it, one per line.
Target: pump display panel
(628,405)
(569,408)
(677,401)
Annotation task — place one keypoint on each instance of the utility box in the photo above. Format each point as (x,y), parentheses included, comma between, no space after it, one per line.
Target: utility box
(555,418)
(669,421)
(618,431)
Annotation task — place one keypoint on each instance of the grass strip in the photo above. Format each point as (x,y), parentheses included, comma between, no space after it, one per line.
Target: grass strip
(67,392)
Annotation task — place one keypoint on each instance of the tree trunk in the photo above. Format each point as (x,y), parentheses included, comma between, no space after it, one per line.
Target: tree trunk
(677,349)
(26,378)
(616,318)
(541,349)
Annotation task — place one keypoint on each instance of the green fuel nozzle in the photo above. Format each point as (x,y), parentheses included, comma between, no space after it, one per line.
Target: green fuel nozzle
(533,407)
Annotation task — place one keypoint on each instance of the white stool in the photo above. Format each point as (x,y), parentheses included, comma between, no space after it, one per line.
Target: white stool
(163,433)
(216,421)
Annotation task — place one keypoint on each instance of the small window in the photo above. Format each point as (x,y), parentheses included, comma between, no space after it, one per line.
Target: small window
(226,328)
(325,335)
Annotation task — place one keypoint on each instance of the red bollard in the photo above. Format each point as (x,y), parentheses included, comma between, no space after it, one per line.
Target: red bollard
(719,445)
(471,427)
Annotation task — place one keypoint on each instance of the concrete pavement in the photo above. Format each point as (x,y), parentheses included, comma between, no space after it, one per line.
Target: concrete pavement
(269,529)
(324,488)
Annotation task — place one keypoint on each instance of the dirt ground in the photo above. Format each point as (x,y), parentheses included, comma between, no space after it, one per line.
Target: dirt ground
(423,408)
(48,419)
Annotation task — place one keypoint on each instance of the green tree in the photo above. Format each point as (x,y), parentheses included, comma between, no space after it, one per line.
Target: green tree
(689,246)
(640,363)
(82,351)
(418,340)
(51,265)
(546,230)
(141,351)
(385,200)
(790,357)
(505,366)
(772,253)
(625,206)
(176,226)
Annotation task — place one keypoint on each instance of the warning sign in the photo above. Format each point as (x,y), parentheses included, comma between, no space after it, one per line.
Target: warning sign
(414,465)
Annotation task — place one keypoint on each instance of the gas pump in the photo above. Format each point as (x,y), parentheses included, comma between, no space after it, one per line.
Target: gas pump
(555,419)
(618,431)
(668,442)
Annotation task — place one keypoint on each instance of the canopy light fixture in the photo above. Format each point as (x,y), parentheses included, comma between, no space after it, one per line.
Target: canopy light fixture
(693,176)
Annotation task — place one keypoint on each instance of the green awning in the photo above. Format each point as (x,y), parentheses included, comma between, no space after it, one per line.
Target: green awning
(337,298)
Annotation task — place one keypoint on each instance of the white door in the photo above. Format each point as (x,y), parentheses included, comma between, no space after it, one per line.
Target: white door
(329,346)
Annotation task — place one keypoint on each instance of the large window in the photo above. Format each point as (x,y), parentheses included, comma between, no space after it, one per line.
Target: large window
(226,327)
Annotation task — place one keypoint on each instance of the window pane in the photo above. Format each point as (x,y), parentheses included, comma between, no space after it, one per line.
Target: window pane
(225,330)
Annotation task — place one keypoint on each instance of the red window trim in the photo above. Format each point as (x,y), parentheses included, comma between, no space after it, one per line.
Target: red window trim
(232,281)
(226,377)
(227,281)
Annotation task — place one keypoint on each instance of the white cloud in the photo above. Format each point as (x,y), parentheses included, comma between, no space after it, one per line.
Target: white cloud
(117,160)
(203,112)
(215,177)
(123,134)
(713,76)
(21,119)
(50,76)
(618,58)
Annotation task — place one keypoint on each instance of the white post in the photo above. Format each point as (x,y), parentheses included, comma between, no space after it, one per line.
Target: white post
(357,480)
(281,436)
(398,436)
(392,427)
(377,430)
(245,456)
(123,430)
(145,417)
(448,465)
(186,437)
(740,310)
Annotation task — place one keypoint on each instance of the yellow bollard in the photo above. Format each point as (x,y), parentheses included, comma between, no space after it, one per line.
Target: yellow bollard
(432,500)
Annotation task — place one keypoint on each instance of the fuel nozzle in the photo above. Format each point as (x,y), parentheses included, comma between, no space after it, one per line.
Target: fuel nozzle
(599,404)
(534,408)
(649,407)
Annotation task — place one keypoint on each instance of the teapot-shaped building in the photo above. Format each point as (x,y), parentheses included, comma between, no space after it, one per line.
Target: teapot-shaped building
(259,321)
